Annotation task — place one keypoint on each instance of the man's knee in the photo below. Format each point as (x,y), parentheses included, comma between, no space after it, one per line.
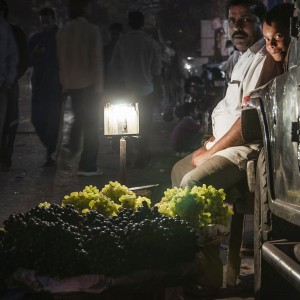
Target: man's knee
(175,176)
(189,180)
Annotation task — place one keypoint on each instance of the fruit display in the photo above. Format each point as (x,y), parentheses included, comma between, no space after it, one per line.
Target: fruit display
(109,201)
(60,242)
(110,231)
(200,205)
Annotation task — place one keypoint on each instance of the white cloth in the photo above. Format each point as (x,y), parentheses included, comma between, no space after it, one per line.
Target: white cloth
(245,77)
(79,48)
(136,59)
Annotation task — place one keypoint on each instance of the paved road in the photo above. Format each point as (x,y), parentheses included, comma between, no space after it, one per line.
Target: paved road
(28,184)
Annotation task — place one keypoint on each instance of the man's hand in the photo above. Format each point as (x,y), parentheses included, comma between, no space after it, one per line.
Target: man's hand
(231,139)
(200,156)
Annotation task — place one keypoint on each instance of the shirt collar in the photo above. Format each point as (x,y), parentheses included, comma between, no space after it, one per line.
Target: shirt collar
(255,47)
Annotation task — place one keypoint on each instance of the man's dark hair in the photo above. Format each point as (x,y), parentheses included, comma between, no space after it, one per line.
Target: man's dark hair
(135,19)
(280,14)
(77,8)
(4,8)
(47,11)
(257,7)
(117,27)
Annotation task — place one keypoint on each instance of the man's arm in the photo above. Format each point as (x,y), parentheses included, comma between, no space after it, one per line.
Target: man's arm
(231,139)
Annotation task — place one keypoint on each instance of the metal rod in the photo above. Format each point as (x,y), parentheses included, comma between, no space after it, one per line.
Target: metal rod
(122,160)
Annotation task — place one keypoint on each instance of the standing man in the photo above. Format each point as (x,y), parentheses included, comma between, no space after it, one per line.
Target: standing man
(46,101)
(136,64)
(79,46)
(8,69)
(12,110)
(222,160)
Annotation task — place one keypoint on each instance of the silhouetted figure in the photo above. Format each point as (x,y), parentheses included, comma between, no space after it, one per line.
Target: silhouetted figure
(80,48)
(189,131)
(8,73)
(136,63)
(47,99)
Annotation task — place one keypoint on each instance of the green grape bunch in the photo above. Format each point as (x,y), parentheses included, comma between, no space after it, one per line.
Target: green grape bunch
(200,206)
(114,191)
(109,201)
(82,199)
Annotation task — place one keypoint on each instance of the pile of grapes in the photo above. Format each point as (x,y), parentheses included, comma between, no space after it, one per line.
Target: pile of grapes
(109,201)
(58,241)
(200,205)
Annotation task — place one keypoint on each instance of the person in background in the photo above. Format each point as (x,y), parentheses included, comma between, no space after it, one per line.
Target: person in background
(12,112)
(79,46)
(47,98)
(188,133)
(136,64)
(8,71)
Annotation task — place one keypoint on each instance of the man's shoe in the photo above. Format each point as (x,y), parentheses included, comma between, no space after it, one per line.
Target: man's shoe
(90,173)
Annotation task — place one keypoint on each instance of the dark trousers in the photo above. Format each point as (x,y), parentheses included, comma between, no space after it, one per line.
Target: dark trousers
(10,125)
(46,117)
(86,123)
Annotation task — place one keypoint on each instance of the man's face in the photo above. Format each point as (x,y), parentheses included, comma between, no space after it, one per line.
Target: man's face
(47,23)
(277,40)
(244,27)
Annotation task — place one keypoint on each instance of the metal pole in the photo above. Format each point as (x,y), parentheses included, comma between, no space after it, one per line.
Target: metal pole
(122,160)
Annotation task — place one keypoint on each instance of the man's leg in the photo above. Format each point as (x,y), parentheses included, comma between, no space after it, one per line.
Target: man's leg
(217,171)
(181,168)
(91,133)
(3,106)
(53,126)
(10,126)
(74,141)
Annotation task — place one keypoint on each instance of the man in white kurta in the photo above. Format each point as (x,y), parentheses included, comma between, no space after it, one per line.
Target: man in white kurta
(221,162)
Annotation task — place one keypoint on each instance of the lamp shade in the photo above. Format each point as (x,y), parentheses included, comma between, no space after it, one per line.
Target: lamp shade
(121,119)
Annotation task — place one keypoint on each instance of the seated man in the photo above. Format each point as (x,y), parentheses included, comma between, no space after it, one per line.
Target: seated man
(222,160)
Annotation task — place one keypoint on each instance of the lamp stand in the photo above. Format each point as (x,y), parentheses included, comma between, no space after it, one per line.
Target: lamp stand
(122,160)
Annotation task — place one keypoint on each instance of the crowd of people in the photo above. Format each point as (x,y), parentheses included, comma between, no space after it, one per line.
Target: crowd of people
(72,62)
